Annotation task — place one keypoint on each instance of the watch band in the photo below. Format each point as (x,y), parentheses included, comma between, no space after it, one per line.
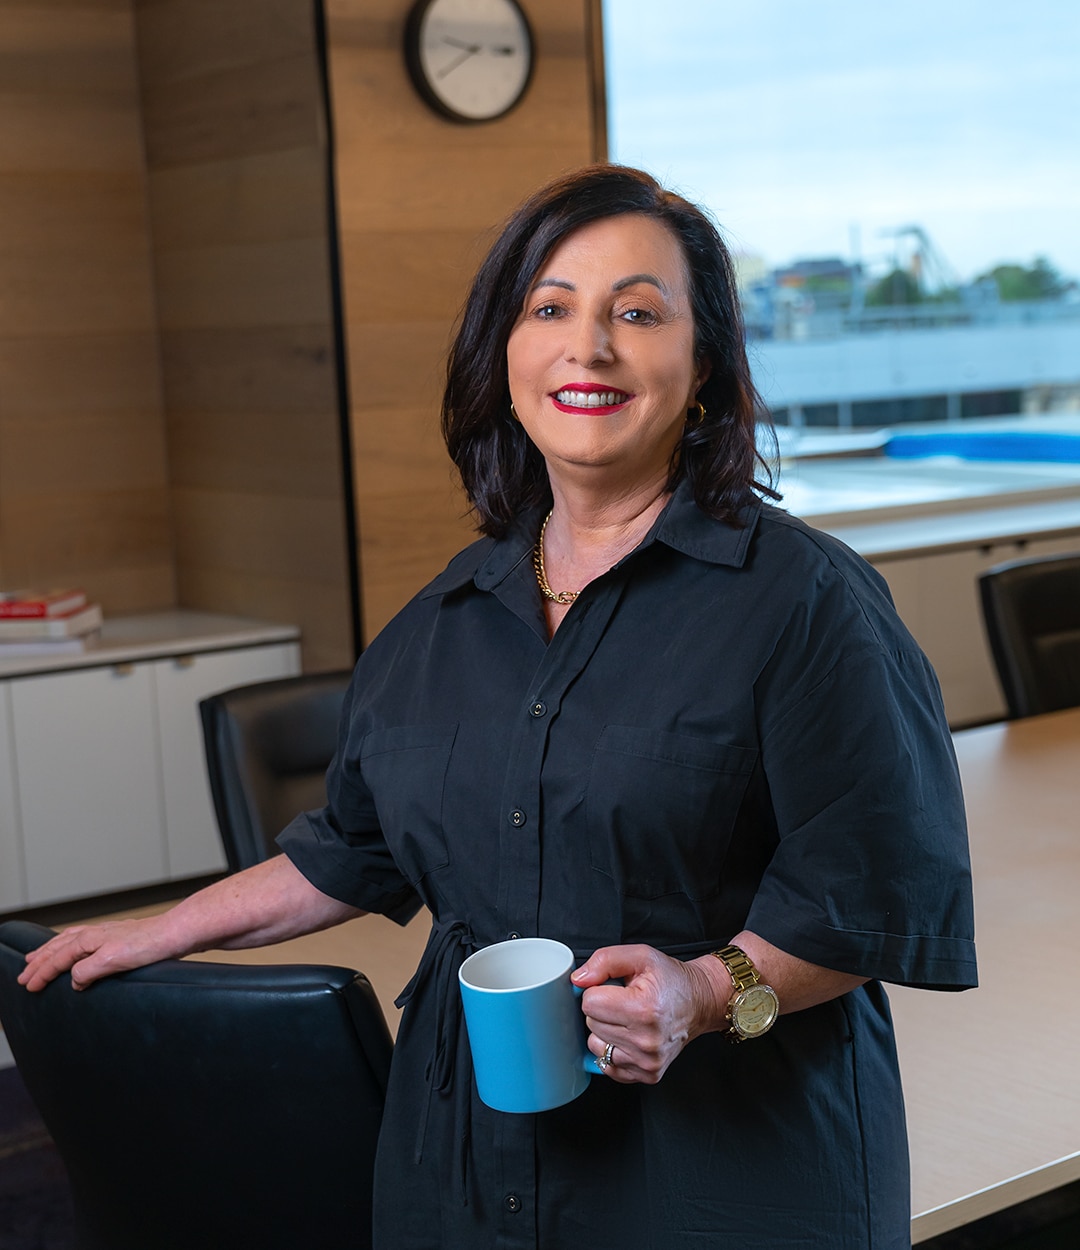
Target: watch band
(738,964)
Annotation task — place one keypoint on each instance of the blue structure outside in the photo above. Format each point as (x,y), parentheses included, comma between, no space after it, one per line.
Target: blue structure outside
(987,445)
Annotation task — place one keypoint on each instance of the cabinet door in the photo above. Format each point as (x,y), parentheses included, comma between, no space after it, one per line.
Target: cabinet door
(1067,544)
(194,846)
(87,768)
(937,598)
(12,879)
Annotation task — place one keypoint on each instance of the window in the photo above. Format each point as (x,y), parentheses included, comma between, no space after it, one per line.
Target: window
(900,187)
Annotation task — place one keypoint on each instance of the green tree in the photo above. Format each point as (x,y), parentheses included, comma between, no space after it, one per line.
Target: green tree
(1040,280)
(896,288)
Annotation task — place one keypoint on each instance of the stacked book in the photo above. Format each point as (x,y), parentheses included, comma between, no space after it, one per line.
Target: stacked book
(36,622)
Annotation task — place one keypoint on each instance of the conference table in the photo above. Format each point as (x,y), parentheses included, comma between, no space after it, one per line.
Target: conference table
(992,1075)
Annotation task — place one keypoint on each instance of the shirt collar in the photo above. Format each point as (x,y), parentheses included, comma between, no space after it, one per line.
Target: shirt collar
(681,526)
(684,527)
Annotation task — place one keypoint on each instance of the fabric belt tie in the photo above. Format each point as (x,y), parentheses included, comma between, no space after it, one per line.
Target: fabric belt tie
(448,946)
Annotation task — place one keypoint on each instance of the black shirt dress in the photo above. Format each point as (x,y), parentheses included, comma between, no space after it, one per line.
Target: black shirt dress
(730,729)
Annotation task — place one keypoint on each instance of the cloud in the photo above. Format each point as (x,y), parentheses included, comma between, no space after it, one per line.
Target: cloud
(794,121)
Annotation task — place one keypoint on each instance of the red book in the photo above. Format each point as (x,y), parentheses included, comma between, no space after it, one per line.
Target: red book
(70,625)
(31,604)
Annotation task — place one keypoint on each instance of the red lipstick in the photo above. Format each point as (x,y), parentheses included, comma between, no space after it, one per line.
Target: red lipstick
(595,408)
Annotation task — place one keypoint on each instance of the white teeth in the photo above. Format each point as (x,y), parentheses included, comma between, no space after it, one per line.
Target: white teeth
(591,399)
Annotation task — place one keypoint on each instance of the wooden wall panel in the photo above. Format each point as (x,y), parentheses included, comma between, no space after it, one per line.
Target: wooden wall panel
(83,486)
(77,453)
(250,369)
(235,140)
(91,373)
(195,39)
(418,200)
(93,538)
(282,283)
(65,291)
(255,108)
(239,200)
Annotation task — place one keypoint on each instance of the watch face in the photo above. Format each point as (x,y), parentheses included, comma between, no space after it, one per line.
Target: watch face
(754,1011)
(470,59)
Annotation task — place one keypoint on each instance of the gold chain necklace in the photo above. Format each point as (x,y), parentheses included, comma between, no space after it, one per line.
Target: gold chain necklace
(561,596)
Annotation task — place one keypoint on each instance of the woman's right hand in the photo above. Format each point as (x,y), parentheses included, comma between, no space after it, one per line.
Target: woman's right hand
(98,950)
(267,903)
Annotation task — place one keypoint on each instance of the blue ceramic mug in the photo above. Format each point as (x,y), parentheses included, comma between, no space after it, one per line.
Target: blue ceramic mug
(526,1028)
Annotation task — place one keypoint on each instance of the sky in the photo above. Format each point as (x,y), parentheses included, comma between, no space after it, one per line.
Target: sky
(816,128)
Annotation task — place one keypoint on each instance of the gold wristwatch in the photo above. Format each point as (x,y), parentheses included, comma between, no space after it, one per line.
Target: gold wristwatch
(754,1006)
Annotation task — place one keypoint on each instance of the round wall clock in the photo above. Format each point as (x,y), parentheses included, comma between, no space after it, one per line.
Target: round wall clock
(471,60)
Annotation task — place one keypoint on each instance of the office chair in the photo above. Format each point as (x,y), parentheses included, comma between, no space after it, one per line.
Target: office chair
(1031,610)
(206,1105)
(268,746)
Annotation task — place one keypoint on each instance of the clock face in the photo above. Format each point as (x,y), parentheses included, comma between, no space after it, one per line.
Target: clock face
(470,59)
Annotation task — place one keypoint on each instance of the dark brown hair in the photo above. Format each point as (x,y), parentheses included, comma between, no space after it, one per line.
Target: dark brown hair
(501,469)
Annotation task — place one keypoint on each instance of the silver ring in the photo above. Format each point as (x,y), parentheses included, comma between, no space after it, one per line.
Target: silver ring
(606,1061)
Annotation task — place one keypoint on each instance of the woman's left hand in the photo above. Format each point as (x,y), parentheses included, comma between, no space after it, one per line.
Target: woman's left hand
(660,1006)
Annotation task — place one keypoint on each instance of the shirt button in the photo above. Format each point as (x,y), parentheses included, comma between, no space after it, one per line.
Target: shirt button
(510,937)
(538,709)
(517,817)
(512,1203)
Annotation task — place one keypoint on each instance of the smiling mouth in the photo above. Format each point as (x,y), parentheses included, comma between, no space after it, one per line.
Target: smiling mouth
(591,399)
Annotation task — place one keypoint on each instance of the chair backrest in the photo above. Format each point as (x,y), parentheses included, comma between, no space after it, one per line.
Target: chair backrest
(268,746)
(206,1105)
(1031,609)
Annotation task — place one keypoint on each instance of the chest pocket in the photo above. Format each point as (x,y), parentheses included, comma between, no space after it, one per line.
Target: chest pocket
(660,809)
(405,769)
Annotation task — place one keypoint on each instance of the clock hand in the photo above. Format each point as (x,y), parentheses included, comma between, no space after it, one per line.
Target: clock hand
(460,43)
(460,59)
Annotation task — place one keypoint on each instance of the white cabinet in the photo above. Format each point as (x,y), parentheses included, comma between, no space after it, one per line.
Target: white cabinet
(12,878)
(102,773)
(87,767)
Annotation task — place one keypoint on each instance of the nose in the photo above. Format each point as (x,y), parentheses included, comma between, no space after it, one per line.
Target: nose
(589,342)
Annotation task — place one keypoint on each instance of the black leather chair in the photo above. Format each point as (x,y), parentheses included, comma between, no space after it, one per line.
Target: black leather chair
(268,746)
(206,1106)
(1031,609)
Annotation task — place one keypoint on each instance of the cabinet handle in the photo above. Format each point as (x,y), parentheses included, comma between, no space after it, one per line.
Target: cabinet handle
(184,661)
(123,670)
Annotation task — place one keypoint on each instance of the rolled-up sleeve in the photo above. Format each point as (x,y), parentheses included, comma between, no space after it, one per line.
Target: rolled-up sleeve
(364,876)
(871,873)
(340,848)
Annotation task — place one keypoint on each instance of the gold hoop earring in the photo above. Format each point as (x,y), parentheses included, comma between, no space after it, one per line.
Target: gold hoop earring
(513,413)
(696,417)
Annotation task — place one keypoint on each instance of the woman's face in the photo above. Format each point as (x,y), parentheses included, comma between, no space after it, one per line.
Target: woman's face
(601,359)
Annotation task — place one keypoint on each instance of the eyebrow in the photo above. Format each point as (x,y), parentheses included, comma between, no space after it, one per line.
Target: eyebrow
(621,285)
(635,278)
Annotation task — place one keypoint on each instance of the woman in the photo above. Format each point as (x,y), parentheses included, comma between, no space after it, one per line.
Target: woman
(654,717)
